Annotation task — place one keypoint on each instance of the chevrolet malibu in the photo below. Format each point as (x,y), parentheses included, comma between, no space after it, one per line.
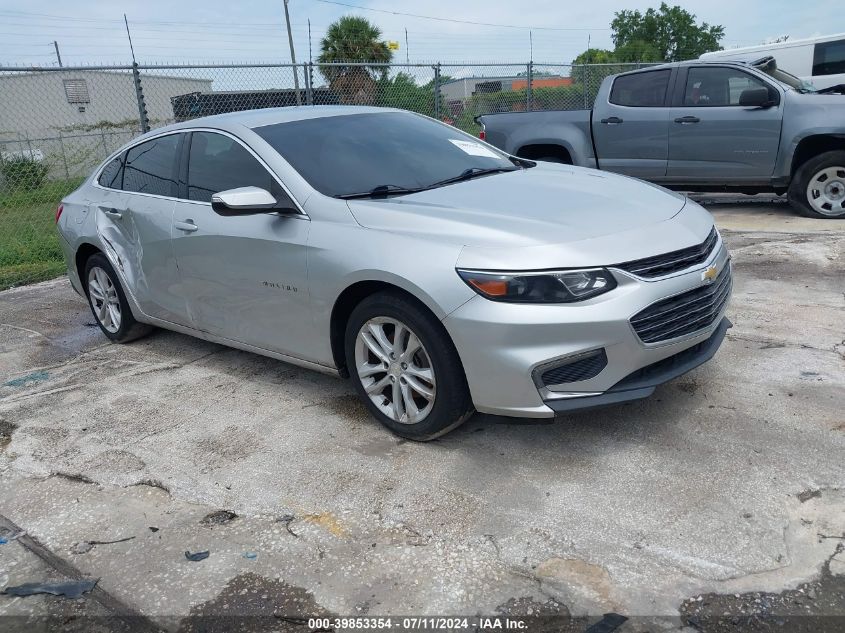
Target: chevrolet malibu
(441,275)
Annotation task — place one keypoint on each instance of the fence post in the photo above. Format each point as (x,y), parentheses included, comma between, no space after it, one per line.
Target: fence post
(587,85)
(436,90)
(143,118)
(64,156)
(309,83)
(528,91)
(29,146)
(105,147)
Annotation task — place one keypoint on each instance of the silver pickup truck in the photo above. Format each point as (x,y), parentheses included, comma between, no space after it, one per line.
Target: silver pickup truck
(699,126)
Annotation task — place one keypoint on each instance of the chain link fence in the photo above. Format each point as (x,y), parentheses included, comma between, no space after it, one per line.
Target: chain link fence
(57,124)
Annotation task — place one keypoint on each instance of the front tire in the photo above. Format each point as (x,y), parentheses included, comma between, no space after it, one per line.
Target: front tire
(817,189)
(108,302)
(405,368)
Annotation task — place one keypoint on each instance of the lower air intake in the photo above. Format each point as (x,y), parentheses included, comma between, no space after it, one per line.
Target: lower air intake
(583,368)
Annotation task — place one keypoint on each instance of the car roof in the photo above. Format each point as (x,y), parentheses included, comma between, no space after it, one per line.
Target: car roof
(269,116)
(693,62)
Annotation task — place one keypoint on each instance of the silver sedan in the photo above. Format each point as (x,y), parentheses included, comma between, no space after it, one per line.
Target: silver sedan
(440,274)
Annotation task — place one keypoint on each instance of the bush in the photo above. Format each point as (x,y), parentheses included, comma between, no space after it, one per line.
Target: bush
(23,173)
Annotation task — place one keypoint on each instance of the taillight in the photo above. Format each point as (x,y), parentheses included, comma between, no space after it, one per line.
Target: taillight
(482,135)
(59,212)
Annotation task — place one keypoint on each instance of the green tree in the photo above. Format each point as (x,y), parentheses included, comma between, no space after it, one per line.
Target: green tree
(354,39)
(668,34)
(591,67)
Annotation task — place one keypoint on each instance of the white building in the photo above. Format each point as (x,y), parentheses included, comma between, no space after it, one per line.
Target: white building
(72,119)
(40,103)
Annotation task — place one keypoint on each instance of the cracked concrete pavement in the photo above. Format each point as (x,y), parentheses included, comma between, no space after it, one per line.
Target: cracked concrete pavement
(728,480)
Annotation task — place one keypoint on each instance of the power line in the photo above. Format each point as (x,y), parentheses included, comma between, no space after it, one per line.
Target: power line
(431,17)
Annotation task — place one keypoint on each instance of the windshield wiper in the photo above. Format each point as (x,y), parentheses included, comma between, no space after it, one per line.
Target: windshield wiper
(381,190)
(472,172)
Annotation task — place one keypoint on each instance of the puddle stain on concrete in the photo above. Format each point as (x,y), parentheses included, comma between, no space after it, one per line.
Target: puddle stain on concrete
(328,522)
(347,405)
(29,379)
(254,603)
(6,430)
(578,579)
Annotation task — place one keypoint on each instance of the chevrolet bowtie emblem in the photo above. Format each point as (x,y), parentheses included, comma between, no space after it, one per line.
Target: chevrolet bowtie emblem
(709,275)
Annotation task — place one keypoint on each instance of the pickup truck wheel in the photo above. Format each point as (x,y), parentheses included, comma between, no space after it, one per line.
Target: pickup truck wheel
(818,188)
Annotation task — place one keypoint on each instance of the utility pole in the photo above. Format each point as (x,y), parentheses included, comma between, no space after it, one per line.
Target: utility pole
(58,56)
(131,48)
(143,116)
(407,52)
(292,56)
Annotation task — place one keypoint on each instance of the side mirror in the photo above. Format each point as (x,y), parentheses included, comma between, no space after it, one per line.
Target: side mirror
(756,98)
(248,201)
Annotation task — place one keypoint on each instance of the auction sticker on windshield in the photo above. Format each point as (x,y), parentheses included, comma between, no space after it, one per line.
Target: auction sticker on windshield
(473,149)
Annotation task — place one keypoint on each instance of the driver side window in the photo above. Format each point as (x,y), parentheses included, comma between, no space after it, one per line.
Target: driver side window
(712,87)
(217,162)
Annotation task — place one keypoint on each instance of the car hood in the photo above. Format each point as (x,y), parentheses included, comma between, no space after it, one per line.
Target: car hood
(547,204)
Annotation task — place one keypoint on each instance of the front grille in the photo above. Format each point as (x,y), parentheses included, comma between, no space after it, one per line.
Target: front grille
(660,265)
(583,368)
(684,313)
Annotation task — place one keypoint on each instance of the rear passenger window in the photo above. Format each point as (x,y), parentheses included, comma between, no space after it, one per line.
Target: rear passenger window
(641,90)
(829,58)
(217,163)
(151,167)
(112,174)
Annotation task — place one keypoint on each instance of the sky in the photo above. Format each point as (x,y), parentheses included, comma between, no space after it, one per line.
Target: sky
(183,31)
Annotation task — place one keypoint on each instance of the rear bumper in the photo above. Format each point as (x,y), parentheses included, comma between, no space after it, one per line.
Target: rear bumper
(70,261)
(643,382)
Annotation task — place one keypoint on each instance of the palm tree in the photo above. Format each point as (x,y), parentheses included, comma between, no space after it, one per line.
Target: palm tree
(354,39)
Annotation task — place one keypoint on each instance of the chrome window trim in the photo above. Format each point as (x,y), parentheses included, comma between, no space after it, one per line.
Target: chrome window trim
(261,161)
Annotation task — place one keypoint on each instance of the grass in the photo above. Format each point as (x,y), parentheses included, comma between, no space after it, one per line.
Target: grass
(29,243)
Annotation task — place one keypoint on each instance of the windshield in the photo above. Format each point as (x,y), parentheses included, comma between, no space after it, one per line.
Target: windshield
(769,66)
(382,153)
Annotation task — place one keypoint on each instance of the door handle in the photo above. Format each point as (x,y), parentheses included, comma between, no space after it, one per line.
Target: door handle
(112,213)
(614,120)
(684,120)
(187,225)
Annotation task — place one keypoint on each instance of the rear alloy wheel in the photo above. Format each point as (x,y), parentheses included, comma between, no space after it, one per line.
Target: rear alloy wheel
(108,302)
(818,188)
(104,300)
(405,367)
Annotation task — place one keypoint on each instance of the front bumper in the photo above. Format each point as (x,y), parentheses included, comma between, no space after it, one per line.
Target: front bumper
(643,382)
(504,347)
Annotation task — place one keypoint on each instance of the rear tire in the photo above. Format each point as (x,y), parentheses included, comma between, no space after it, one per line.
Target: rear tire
(108,302)
(817,189)
(405,368)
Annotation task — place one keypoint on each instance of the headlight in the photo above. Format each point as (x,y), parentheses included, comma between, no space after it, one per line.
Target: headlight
(565,286)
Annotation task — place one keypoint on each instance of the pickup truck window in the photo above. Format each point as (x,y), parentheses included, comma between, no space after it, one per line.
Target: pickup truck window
(829,58)
(641,90)
(711,87)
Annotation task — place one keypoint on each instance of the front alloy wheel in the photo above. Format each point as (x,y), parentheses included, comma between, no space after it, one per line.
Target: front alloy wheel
(395,370)
(404,366)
